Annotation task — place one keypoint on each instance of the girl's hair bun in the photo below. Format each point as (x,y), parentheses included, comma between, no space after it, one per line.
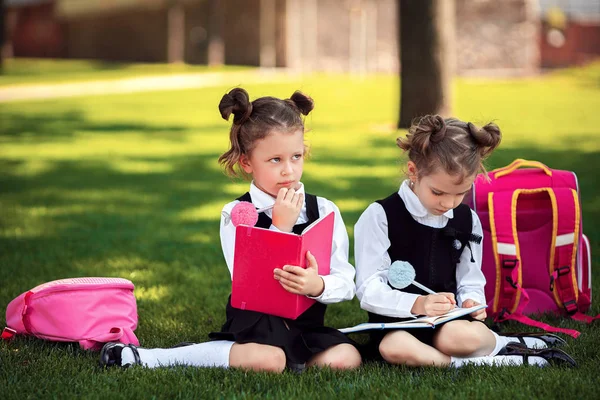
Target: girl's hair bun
(436,126)
(302,102)
(487,138)
(423,132)
(236,102)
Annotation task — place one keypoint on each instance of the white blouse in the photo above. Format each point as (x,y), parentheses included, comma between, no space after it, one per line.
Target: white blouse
(373,262)
(339,284)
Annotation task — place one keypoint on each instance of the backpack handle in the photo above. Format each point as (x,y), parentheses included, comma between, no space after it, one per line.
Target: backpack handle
(518,163)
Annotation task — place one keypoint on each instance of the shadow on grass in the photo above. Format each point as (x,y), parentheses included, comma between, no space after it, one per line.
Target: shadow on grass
(33,128)
(84,218)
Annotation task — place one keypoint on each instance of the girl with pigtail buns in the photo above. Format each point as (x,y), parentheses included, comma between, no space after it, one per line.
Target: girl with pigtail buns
(425,224)
(267,145)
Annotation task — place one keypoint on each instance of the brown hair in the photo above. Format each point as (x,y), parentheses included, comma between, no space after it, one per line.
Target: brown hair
(457,147)
(255,120)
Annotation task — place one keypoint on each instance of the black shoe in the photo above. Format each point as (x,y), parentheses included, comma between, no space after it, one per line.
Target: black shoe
(548,338)
(110,355)
(296,368)
(552,355)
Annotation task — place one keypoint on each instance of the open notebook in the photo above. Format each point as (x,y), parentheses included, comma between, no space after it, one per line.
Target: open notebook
(421,322)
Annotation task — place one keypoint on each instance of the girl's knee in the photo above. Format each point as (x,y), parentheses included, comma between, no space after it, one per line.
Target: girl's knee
(348,358)
(272,361)
(396,354)
(462,339)
(342,356)
(258,357)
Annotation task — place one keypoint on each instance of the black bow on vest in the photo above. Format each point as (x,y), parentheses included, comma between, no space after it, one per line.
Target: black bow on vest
(463,237)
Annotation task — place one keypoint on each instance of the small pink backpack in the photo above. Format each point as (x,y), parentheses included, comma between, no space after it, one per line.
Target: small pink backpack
(535,255)
(91,311)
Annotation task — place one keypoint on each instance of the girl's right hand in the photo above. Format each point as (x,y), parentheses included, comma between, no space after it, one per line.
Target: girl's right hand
(286,210)
(433,305)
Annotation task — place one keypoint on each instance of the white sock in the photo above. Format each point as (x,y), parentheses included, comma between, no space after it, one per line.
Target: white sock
(207,354)
(497,361)
(502,341)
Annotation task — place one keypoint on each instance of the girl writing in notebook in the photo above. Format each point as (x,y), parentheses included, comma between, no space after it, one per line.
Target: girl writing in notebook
(267,144)
(425,224)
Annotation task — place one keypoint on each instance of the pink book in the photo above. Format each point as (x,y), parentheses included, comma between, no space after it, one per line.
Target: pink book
(259,251)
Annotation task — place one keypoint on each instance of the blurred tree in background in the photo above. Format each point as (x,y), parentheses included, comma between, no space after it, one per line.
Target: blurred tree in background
(426,57)
(2,34)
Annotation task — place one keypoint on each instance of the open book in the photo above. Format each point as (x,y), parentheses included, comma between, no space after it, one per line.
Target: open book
(421,322)
(259,251)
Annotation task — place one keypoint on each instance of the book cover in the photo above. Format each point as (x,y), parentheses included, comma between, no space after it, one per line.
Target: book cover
(421,322)
(259,251)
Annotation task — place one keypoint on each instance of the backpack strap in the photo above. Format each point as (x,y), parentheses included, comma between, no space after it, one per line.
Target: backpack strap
(504,243)
(563,280)
(510,298)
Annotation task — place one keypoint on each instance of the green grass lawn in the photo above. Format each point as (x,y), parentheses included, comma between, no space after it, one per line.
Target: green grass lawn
(19,71)
(129,186)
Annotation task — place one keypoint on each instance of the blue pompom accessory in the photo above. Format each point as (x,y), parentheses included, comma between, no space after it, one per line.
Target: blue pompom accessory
(402,273)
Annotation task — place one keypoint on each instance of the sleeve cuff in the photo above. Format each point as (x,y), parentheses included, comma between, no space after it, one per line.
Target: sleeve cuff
(320,297)
(274,228)
(407,302)
(471,295)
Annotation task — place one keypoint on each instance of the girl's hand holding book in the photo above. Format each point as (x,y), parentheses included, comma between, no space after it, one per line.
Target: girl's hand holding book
(434,305)
(479,314)
(286,210)
(298,280)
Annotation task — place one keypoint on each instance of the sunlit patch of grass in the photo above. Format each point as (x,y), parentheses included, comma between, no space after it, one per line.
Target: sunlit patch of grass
(41,71)
(155,293)
(208,211)
(352,204)
(141,167)
(234,189)
(323,170)
(129,186)
(200,238)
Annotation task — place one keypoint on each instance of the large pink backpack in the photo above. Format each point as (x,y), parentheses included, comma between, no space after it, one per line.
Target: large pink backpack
(535,255)
(91,311)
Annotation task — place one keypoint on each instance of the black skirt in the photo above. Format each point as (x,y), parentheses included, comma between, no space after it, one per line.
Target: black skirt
(300,339)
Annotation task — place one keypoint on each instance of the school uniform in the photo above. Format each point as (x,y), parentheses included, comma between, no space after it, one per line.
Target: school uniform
(445,251)
(306,336)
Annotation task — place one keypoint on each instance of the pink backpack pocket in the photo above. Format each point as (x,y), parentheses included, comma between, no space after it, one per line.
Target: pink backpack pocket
(535,256)
(91,311)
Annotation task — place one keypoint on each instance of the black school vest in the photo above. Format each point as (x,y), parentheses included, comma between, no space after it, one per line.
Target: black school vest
(433,252)
(316,313)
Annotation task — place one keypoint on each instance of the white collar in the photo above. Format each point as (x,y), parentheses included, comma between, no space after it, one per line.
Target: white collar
(414,205)
(261,199)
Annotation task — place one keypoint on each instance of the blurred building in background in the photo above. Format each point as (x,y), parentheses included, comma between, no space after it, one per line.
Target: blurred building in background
(33,29)
(570,32)
(492,36)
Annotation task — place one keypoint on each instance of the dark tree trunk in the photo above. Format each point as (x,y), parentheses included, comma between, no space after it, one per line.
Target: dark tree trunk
(216,44)
(175,32)
(426,58)
(2,34)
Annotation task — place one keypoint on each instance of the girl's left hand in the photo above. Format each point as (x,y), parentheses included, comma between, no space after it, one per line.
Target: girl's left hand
(298,280)
(479,314)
